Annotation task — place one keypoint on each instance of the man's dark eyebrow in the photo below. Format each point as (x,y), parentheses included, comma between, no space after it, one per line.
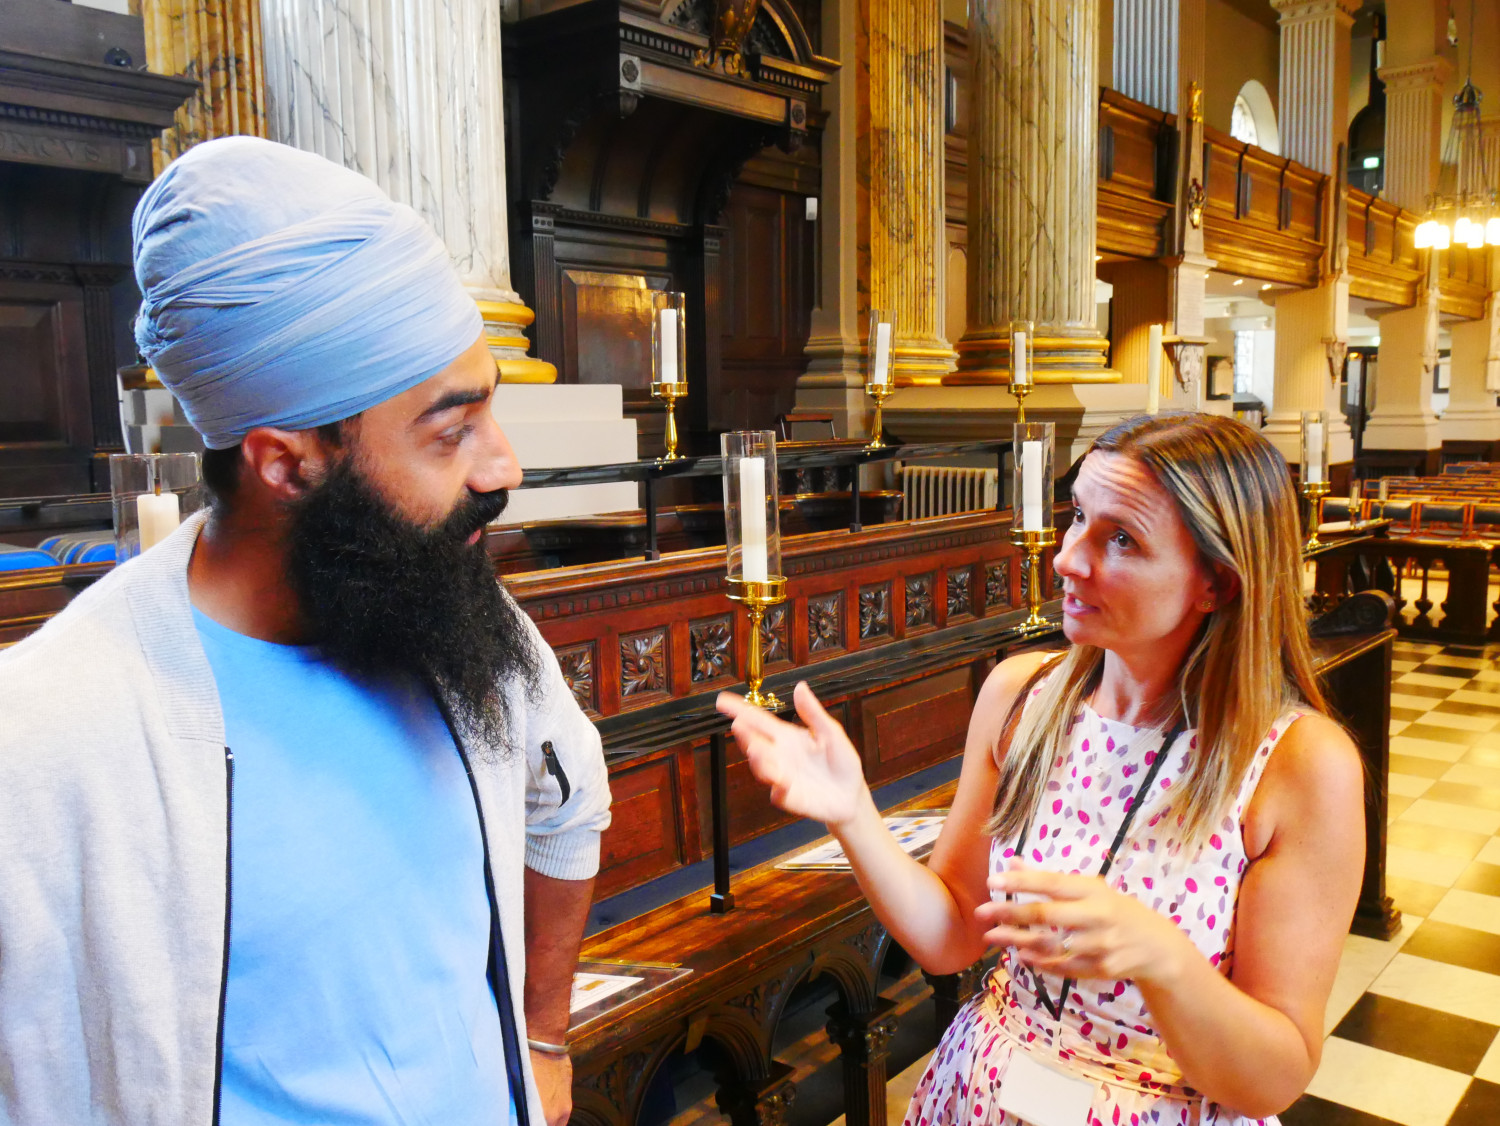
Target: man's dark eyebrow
(451,400)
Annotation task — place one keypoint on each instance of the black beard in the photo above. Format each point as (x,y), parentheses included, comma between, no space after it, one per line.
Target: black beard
(380,595)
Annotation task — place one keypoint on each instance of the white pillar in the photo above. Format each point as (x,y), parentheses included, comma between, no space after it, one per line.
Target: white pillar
(1403,418)
(1314,79)
(1472,412)
(409,95)
(1146,51)
(1303,381)
(1413,130)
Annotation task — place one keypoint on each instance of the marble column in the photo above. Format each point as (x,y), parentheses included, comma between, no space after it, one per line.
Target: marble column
(903,200)
(1313,101)
(218,44)
(1403,418)
(1032,189)
(410,95)
(835,375)
(1475,384)
(1413,130)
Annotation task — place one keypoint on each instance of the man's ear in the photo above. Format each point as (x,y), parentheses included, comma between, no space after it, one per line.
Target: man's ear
(285,463)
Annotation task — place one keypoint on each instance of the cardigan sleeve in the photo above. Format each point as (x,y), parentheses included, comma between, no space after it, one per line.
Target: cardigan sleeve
(567,782)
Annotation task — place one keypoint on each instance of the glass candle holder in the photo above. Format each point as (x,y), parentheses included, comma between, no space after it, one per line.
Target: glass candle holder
(752,530)
(1032,496)
(1314,447)
(151,495)
(668,337)
(1022,348)
(882,348)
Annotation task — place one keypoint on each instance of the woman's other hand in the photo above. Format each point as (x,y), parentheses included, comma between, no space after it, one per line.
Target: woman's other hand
(1080,927)
(813,771)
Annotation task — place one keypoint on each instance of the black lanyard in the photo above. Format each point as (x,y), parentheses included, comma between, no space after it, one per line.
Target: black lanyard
(1109,860)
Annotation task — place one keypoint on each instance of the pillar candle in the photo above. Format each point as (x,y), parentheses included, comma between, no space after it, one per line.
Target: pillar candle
(1314,451)
(880,368)
(1153,370)
(1031,486)
(1020,369)
(158,515)
(667,321)
(753,519)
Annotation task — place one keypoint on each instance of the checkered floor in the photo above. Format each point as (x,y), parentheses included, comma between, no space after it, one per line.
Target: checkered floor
(1414,1023)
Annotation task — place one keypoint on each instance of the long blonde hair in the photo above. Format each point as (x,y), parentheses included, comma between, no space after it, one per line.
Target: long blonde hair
(1252,658)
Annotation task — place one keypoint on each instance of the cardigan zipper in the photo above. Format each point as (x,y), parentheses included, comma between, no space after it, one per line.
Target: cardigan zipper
(228,899)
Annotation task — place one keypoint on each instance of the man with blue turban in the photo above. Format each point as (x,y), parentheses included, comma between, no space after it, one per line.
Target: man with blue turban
(298,817)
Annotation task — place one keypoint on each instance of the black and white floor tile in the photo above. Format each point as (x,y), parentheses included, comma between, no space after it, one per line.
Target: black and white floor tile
(1413,1025)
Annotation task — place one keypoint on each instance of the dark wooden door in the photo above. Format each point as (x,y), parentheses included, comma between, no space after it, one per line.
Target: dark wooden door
(768,295)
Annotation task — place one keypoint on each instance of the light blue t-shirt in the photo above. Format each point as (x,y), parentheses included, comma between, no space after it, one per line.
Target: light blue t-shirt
(359,921)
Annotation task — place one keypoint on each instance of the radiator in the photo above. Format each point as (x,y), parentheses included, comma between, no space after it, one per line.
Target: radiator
(937,490)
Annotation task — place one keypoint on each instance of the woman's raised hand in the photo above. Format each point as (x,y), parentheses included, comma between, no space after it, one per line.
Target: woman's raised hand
(813,771)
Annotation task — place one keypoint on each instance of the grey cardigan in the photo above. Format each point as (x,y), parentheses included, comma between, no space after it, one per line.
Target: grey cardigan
(114,860)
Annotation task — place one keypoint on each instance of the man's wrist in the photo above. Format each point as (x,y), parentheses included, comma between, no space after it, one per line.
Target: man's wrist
(549,1047)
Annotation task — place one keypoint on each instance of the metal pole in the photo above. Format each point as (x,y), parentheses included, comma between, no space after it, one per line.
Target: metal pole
(722,900)
(651,552)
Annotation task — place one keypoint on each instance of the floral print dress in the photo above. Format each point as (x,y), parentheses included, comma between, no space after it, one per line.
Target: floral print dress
(1106,1032)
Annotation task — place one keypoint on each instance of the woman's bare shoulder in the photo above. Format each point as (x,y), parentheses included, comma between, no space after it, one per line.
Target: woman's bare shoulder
(1005,682)
(1313,785)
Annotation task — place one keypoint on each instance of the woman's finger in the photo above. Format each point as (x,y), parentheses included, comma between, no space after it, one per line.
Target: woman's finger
(811,711)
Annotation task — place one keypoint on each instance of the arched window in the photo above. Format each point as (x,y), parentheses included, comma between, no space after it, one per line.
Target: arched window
(1242,122)
(1253,119)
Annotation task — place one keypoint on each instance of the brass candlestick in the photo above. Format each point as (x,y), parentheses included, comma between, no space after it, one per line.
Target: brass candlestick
(880,392)
(1034,543)
(1020,391)
(756,596)
(671,391)
(1314,492)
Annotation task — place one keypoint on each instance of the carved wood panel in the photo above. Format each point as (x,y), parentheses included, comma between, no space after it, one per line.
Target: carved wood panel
(874,611)
(825,622)
(711,648)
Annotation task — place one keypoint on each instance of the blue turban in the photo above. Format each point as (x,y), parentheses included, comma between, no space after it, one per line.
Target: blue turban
(280,289)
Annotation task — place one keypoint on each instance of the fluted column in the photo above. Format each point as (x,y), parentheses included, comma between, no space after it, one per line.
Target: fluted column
(1302,379)
(1413,130)
(1314,79)
(1403,418)
(1032,187)
(1146,51)
(409,94)
(218,44)
(904,201)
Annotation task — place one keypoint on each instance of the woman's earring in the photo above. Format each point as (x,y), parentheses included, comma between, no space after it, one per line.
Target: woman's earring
(1206,606)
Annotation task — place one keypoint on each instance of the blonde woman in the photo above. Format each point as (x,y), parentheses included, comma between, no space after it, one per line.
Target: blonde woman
(1159,828)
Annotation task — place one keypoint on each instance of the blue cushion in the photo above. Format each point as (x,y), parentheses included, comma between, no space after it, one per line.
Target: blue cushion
(13,558)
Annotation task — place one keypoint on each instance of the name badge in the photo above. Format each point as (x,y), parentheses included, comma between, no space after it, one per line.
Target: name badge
(1043,1095)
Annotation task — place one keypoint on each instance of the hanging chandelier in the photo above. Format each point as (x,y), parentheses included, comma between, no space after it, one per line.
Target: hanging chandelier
(1465,210)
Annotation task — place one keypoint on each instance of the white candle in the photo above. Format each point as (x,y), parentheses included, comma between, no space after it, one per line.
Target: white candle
(667,322)
(1021,376)
(158,515)
(880,369)
(1031,486)
(753,519)
(1314,451)
(1153,370)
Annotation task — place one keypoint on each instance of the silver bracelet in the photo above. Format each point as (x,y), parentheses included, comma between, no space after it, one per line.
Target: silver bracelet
(559,1050)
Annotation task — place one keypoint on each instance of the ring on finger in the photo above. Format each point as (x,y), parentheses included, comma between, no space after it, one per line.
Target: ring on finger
(1066,943)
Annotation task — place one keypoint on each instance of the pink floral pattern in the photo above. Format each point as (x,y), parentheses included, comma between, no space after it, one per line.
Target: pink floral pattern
(1106,1031)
